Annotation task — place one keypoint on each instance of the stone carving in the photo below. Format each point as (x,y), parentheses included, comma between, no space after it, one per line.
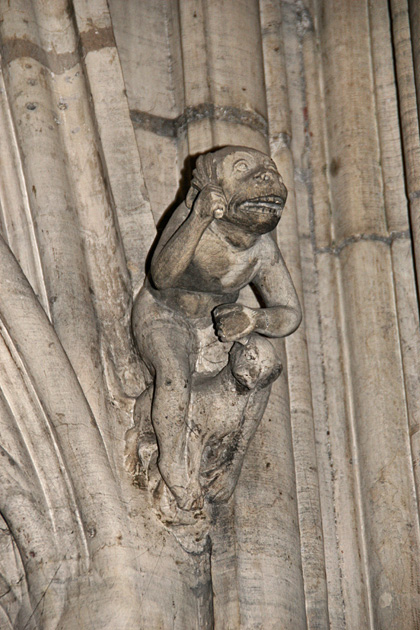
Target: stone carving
(209,357)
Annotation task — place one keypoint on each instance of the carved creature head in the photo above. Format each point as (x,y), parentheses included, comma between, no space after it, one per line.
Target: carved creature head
(249,179)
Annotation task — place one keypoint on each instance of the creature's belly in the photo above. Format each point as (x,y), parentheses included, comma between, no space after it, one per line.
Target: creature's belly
(196,305)
(212,354)
(198,279)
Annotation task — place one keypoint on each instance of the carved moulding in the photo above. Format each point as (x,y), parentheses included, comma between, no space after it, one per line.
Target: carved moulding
(58,495)
(210,361)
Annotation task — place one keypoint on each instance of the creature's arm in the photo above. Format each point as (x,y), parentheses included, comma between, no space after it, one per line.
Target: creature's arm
(282,313)
(182,235)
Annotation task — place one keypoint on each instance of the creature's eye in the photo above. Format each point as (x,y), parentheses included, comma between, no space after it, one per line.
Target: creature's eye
(270,165)
(241,166)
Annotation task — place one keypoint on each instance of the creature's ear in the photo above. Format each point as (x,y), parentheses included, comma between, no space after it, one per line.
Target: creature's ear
(204,173)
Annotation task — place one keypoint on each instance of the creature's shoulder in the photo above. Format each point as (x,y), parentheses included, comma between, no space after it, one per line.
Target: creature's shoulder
(268,249)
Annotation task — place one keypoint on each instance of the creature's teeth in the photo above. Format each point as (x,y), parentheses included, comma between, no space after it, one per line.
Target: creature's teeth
(263,205)
(261,200)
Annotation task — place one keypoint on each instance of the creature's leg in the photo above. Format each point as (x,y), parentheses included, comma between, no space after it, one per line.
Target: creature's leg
(175,436)
(168,347)
(255,365)
(220,485)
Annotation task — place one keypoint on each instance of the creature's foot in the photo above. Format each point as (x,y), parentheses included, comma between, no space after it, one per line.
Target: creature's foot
(220,483)
(190,528)
(186,490)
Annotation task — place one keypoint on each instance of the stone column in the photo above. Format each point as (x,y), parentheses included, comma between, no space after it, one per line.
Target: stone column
(103,108)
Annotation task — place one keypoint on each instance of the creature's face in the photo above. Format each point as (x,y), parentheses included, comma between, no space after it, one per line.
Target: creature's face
(253,189)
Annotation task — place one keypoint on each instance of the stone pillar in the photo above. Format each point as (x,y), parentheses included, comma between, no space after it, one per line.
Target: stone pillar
(104,107)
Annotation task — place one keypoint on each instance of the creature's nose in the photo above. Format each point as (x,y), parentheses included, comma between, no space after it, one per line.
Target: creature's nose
(264,176)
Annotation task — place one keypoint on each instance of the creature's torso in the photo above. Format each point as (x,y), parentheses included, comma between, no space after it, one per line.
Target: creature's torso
(220,267)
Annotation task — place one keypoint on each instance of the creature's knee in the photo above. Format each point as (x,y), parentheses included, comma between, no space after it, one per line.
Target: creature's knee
(173,383)
(255,364)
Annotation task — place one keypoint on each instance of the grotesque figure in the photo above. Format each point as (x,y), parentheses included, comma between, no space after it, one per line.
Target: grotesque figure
(209,358)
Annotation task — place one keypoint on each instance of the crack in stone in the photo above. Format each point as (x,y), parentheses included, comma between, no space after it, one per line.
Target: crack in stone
(388,240)
(56,62)
(93,39)
(174,127)
(45,591)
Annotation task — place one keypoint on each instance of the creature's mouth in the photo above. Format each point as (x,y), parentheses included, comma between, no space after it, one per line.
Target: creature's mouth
(270,204)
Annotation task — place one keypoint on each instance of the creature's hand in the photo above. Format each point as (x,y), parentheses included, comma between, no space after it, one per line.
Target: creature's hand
(234,321)
(210,203)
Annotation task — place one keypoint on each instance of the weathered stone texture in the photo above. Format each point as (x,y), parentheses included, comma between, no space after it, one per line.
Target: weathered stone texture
(103,105)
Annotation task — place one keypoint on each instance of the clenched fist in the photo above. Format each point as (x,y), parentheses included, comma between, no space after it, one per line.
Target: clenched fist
(234,321)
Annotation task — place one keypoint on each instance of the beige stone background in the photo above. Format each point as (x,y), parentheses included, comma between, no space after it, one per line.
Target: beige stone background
(101,104)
